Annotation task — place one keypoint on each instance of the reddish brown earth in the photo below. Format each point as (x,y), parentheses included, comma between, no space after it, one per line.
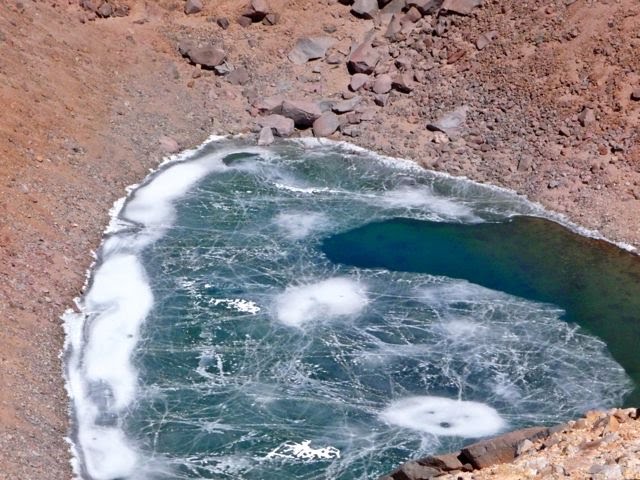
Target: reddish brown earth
(86,102)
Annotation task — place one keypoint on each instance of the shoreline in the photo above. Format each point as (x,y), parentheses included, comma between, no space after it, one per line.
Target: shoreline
(80,151)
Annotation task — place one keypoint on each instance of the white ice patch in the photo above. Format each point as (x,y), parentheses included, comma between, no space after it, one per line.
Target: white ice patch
(444,416)
(424,198)
(303,451)
(238,304)
(101,379)
(463,330)
(335,297)
(299,225)
(456,291)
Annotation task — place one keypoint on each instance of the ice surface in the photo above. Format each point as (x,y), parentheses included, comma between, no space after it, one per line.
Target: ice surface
(241,387)
(324,300)
(299,225)
(444,416)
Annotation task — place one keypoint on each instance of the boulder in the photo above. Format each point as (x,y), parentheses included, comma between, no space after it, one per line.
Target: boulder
(394,28)
(281,126)
(403,82)
(365,8)
(302,112)
(445,462)
(635,95)
(223,22)
(383,84)
(358,81)
(208,56)
(501,449)
(346,105)
(271,19)
(363,59)
(412,16)
(326,124)
(105,10)
(121,11)
(266,136)
(586,117)
(91,5)
(244,22)
(415,471)
(193,6)
(310,48)
(461,7)
(256,10)
(271,104)
(381,99)
(184,46)
(239,76)
(485,39)
(350,130)
(168,144)
(334,58)
(451,123)
(394,6)
(426,7)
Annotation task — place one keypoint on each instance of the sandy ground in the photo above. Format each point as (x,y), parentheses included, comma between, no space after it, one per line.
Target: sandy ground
(86,103)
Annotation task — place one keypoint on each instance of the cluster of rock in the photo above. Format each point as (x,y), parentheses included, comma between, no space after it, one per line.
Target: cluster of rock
(256,11)
(485,453)
(377,68)
(602,445)
(104,8)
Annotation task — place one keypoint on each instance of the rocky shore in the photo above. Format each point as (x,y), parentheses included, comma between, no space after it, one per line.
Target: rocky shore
(541,97)
(599,446)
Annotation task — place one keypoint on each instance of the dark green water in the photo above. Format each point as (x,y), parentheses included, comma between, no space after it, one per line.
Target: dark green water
(596,283)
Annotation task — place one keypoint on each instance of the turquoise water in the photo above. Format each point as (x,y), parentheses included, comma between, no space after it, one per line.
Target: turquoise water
(323,313)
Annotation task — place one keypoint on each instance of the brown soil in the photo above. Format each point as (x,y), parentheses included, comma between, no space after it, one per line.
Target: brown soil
(86,102)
